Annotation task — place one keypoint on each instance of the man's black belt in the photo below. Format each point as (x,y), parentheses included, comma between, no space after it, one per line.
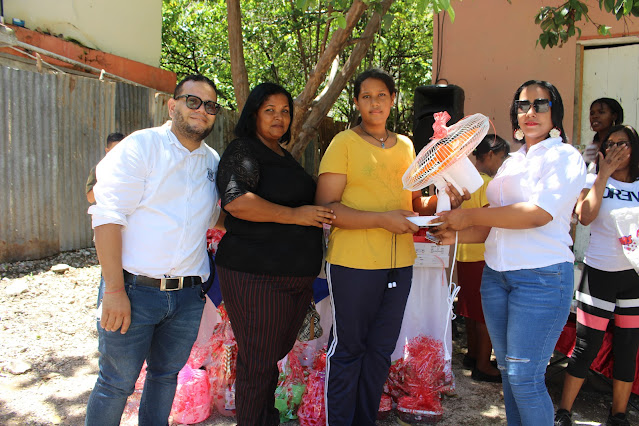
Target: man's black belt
(164,284)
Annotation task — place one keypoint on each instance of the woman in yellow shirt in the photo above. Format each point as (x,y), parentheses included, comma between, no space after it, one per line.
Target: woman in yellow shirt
(489,155)
(370,251)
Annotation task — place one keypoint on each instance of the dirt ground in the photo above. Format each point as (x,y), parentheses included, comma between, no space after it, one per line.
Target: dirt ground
(48,354)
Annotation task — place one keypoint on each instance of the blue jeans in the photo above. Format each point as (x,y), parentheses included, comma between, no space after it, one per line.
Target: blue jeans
(525,311)
(164,326)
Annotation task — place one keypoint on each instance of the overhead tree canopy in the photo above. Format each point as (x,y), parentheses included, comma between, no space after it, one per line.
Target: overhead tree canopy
(314,47)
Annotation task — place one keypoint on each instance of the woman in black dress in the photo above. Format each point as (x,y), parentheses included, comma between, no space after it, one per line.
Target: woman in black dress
(272,251)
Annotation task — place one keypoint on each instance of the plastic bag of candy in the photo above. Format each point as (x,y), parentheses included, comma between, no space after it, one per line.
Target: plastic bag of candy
(131,409)
(312,410)
(426,408)
(221,373)
(213,237)
(424,376)
(394,385)
(290,387)
(192,402)
(139,383)
(385,407)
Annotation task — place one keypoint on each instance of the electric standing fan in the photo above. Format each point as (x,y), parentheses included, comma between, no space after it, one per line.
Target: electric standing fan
(445,158)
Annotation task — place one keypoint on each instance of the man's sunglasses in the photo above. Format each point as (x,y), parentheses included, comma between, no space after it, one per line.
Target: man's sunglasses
(193,102)
(540,105)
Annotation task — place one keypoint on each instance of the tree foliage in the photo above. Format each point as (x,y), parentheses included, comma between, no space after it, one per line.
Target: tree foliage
(284,40)
(314,47)
(558,24)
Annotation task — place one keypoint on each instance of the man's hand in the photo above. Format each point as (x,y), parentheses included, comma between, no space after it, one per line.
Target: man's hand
(116,312)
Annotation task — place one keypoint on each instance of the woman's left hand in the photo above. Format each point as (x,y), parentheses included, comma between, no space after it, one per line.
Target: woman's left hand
(456,199)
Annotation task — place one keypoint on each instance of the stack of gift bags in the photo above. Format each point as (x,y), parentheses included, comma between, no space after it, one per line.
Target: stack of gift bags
(420,373)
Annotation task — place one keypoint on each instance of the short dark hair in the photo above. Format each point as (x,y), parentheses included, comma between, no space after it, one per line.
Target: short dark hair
(634,148)
(614,106)
(247,124)
(376,73)
(193,77)
(556,109)
(491,142)
(114,137)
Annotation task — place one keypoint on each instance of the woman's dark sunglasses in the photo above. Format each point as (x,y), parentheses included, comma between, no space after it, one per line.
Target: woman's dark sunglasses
(540,105)
(193,102)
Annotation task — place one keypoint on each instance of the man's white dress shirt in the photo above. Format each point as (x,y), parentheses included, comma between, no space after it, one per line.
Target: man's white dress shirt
(164,197)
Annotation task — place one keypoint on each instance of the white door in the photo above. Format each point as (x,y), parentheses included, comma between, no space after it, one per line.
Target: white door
(610,72)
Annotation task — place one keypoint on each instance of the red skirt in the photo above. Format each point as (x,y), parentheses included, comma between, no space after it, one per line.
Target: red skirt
(469,299)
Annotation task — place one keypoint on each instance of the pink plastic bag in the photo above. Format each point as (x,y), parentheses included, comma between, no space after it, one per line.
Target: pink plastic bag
(139,383)
(131,409)
(312,411)
(221,371)
(192,402)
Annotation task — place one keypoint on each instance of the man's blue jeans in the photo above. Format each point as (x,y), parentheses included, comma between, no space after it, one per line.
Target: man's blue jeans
(164,326)
(525,311)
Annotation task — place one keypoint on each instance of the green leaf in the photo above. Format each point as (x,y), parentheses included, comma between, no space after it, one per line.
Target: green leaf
(341,21)
(387,21)
(451,13)
(603,30)
(609,5)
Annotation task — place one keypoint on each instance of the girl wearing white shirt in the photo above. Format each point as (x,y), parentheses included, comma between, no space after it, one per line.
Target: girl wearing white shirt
(612,285)
(527,283)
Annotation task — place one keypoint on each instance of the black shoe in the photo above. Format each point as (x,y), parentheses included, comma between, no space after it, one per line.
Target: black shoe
(618,419)
(480,376)
(563,418)
(469,362)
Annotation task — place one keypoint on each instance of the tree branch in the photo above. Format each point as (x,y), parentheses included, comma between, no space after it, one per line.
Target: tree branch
(236,50)
(321,108)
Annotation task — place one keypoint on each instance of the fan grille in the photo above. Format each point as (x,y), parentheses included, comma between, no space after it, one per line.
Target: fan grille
(440,154)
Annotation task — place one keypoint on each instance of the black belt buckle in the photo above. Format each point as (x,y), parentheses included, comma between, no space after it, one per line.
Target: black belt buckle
(173,284)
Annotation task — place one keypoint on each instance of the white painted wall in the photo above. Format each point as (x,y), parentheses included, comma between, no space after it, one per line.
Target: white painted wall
(128,28)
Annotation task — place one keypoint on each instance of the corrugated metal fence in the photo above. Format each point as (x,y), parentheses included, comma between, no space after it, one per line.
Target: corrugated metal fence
(53,132)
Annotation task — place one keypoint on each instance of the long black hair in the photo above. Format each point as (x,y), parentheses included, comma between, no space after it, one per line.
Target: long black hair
(556,109)
(491,142)
(634,148)
(247,124)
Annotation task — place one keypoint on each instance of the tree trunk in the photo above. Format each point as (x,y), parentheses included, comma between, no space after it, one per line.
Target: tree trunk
(307,120)
(318,74)
(236,50)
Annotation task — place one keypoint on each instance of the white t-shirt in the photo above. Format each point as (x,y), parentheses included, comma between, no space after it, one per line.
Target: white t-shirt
(551,175)
(605,251)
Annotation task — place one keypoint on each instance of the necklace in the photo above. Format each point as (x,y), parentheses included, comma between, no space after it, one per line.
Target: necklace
(381,140)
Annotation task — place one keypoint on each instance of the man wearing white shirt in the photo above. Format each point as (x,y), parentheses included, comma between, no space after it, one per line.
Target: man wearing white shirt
(155,198)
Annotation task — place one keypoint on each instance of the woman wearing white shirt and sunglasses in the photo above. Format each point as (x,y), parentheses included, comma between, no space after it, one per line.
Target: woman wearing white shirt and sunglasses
(527,283)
